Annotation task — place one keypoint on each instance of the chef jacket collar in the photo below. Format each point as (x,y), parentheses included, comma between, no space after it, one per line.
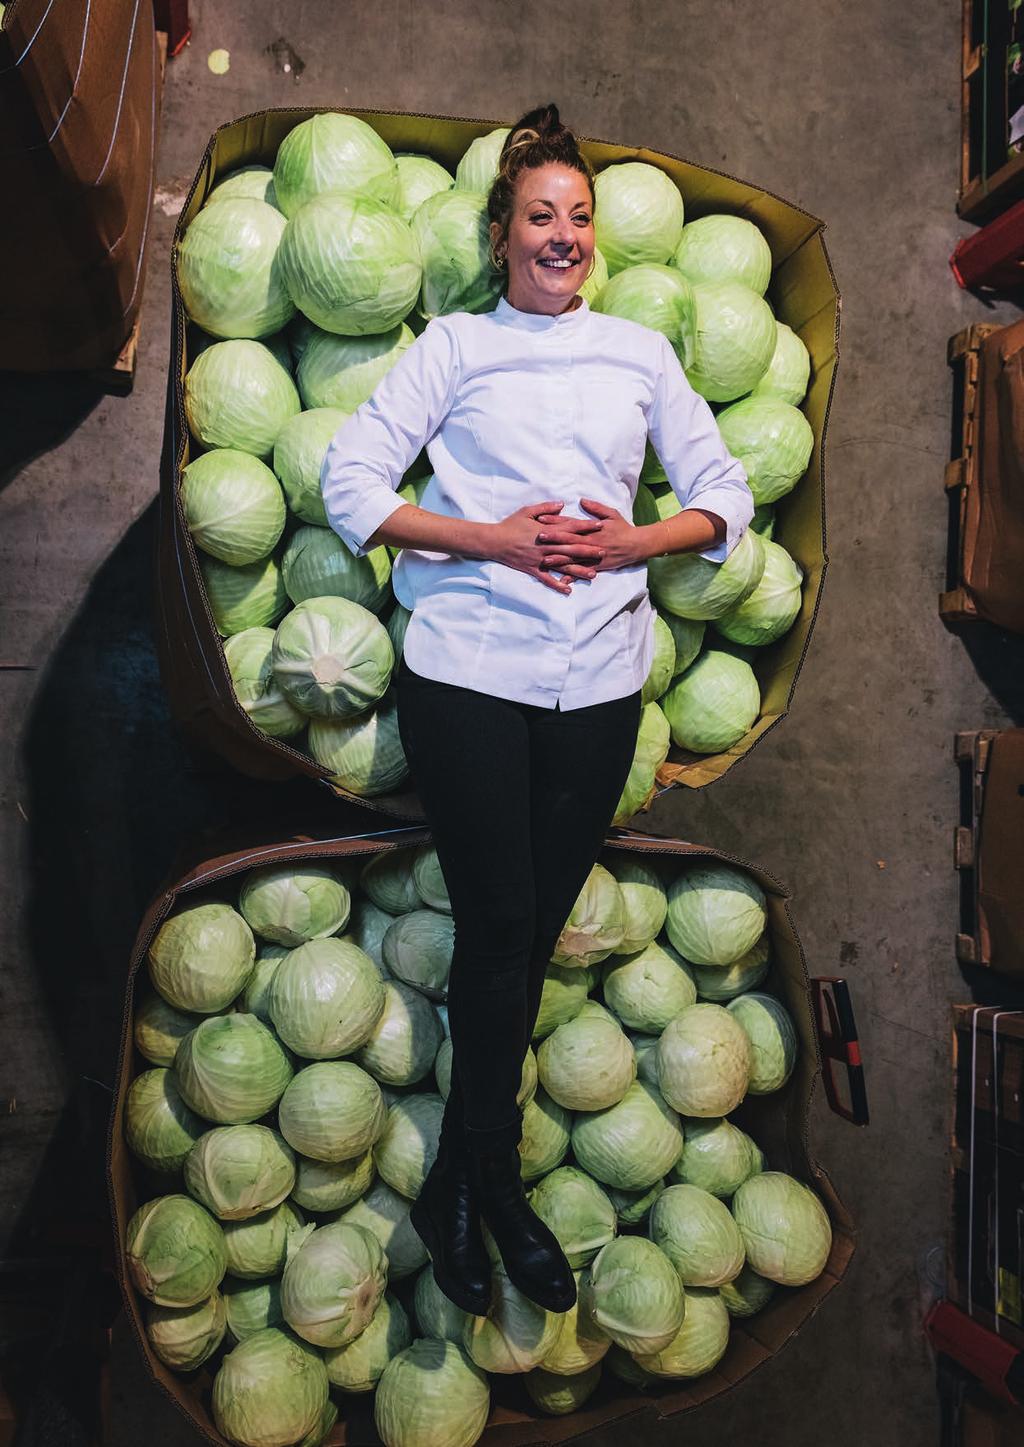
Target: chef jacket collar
(539,321)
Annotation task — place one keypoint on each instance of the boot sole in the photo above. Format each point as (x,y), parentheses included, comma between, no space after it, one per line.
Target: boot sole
(424,1228)
(550,1303)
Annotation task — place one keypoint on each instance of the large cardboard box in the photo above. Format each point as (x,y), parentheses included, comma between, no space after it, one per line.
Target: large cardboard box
(803,292)
(989,849)
(79,103)
(779,1123)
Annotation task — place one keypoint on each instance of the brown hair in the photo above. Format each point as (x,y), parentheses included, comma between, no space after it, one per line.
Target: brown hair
(537,139)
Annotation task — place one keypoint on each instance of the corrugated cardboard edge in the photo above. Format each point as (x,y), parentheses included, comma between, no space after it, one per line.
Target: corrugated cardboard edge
(783,1127)
(201,692)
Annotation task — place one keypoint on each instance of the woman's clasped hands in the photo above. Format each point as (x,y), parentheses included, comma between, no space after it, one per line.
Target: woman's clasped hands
(537,540)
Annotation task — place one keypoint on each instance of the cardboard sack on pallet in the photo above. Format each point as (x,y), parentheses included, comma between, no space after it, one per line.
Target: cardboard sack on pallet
(779,1122)
(803,293)
(79,103)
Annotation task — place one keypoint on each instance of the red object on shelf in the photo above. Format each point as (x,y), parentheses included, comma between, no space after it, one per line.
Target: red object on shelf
(172,16)
(994,256)
(993,1362)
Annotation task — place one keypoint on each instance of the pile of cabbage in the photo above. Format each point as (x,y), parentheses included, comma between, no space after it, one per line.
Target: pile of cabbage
(293,1068)
(306,282)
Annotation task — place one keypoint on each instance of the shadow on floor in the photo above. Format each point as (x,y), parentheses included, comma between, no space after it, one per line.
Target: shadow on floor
(39,411)
(113,793)
(998,659)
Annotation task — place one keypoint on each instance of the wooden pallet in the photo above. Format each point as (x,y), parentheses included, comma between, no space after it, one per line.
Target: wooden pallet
(955,604)
(989,181)
(971,752)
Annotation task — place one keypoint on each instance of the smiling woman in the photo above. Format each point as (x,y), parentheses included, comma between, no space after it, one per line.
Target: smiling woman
(530,637)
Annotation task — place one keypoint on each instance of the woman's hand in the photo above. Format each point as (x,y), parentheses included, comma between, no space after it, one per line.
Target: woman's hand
(620,544)
(531,537)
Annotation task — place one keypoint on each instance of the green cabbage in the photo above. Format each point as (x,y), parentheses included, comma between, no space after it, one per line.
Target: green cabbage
(714,704)
(638,215)
(201,957)
(299,453)
(478,168)
(696,588)
(419,177)
(451,233)
(291,906)
(735,340)
(698,1235)
(772,439)
(789,370)
(633,1293)
(362,754)
(648,989)
(184,1337)
(332,1284)
(233,505)
(237,1171)
(271,1390)
(175,1251)
(703,1062)
(631,1144)
(773,1040)
(332,658)
(238,395)
(785,1228)
(358,1365)
(333,152)
(658,297)
(241,598)
(772,608)
(577,1210)
(331,1111)
(716,913)
(248,657)
(326,999)
(586,1064)
(431,1395)
(724,248)
(231,1069)
(229,272)
(158,1125)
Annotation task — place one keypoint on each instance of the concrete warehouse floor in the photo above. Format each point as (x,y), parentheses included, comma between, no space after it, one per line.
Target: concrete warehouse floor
(849,111)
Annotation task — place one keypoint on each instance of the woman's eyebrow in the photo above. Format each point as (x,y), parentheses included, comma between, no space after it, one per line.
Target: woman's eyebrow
(541,201)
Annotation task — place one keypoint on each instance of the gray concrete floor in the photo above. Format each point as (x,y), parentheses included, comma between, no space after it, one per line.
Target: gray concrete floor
(850,111)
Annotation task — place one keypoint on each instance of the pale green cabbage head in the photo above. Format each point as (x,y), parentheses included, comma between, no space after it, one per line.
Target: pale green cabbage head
(259,1246)
(633,1293)
(403,1044)
(358,1365)
(697,1233)
(407,1146)
(331,1111)
(632,1144)
(703,1061)
(326,999)
(249,659)
(586,1064)
(419,177)
(389,880)
(633,1207)
(515,1335)
(695,588)
(332,1185)
(654,296)
(558,1394)
(717,1156)
(644,897)
(638,215)
(249,597)
(580,1343)
(362,754)
(237,1171)
(251,1306)
(721,983)
(233,504)
(789,370)
(772,439)
(332,658)
(333,1283)
(546,1134)
(663,662)
(299,454)
(271,1389)
(428,877)
(175,1251)
(436,1316)
(562,996)
(350,263)
(184,1337)
(716,913)
(229,271)
(652,746)
(596,923)
(238,395)
(724,248)
(317,564)
(747,1294)
(201,957)
(159,1028)
(785,1228)
(577,1210)
(343,372)
(248,183)
(735,340)
(770,611)
(451,233)
(699,1344)
(431,1395)
(417,949)
(385,1214)
(333,152)
(648,989)
(773,1040)
(158,1125)
(290,906)
(232,1069)
(714,704)
(478,167)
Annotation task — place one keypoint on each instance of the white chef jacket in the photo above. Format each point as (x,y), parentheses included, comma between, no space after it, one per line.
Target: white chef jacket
(517,407)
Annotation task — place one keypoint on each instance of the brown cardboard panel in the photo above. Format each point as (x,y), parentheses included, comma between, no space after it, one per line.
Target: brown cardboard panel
(779,1122)
(999,858)
(992,540)
(79,100)
(804,295)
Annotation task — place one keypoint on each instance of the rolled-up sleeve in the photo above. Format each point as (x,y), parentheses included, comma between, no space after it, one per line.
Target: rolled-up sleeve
(371,451)
(702,471)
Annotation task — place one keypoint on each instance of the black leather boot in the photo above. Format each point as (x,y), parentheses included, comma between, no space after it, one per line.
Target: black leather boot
(447,1221)
(533,1259)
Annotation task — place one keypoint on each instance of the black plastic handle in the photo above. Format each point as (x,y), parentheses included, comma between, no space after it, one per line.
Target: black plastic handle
(837,1036)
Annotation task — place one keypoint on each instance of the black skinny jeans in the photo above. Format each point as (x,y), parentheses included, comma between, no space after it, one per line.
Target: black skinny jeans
(519,799)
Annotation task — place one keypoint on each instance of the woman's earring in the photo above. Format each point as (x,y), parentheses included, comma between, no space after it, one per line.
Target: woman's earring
(498,262)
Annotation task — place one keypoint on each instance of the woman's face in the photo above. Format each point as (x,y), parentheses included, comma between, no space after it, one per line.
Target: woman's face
(552,222)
